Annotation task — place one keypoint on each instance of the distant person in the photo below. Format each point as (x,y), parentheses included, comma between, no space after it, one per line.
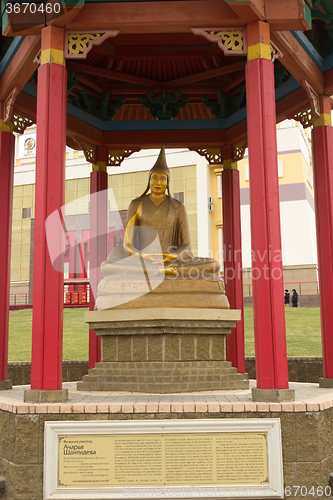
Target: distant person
(294,298)
(286,298)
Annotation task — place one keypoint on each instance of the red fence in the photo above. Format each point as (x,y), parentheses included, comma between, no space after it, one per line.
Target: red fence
(76,294)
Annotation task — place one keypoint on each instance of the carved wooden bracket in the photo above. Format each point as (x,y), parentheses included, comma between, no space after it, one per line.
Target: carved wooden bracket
(112,157)
(232,41)
(78,45)
(116,156)
(239,151)
(213,155)
(304,117)
(21,123)
(89,150)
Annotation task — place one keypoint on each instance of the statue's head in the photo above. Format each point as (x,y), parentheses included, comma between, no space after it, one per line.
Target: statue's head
(160,167)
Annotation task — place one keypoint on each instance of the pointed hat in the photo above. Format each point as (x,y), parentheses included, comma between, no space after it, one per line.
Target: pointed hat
(161,166)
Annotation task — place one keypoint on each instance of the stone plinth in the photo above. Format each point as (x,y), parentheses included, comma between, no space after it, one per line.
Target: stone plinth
(163,350)
(134,293)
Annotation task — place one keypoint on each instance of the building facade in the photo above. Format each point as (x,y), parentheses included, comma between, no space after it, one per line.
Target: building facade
(193,182)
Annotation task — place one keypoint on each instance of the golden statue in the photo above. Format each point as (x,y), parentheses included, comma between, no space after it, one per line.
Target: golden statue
(156,249)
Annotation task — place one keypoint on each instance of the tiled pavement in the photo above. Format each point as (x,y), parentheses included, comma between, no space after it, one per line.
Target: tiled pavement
(308,397)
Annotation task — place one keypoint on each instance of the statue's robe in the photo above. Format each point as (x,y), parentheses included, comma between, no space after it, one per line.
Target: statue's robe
(167,221)
(134,282)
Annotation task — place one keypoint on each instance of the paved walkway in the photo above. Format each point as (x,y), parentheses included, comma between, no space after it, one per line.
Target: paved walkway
(308,397)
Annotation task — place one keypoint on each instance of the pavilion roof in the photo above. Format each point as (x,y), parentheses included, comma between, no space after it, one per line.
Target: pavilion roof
(144,74)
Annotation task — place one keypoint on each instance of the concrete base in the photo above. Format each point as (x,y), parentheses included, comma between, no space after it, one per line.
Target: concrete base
(163,350)
(36,396)
(5,385)
(306,427)
(326,382)
(275,395)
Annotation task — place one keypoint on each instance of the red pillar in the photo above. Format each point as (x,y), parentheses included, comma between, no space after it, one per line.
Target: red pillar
(99,223)
(267,273)
(47,325)
(233,271)
(7,144)
(322,144)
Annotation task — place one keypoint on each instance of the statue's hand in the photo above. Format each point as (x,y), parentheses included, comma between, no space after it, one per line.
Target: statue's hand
(169,257)
(161,258)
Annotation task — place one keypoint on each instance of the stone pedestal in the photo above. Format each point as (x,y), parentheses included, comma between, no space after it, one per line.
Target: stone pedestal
(273,395)
(5,385)
(163,350)
(325,382)
(36,396)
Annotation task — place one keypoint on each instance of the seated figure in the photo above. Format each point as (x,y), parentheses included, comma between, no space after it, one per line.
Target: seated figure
(157,241)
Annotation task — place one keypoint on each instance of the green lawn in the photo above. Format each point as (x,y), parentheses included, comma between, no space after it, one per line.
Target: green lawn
(303,333)
(76,333)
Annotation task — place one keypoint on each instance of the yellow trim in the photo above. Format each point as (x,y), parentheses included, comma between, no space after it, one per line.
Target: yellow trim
(229,165)
(6,127)
(54,56)
(324,120)
(218,171)
(99,166)
(259,51)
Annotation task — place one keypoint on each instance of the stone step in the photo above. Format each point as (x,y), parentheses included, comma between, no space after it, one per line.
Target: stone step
(166,388)
(157,364)
(163,373)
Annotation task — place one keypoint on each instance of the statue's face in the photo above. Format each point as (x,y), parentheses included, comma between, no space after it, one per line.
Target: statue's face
(158,183)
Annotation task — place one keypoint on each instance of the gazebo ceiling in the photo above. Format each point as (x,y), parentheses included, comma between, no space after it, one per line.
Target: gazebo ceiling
(132,65)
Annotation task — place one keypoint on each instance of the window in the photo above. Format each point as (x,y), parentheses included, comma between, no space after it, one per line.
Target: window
(247,172)
(26,213)
(179,196)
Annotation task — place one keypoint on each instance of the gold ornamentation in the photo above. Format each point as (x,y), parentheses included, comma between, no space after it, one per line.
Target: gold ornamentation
(29,144)
(239,151)
(21,123)
(213,156)
(9,104)
(304,117)
(314,98)
(231,40)
(7,112)
(275,52)
(37,58)
(89,150)
(116,156)
(77,43)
